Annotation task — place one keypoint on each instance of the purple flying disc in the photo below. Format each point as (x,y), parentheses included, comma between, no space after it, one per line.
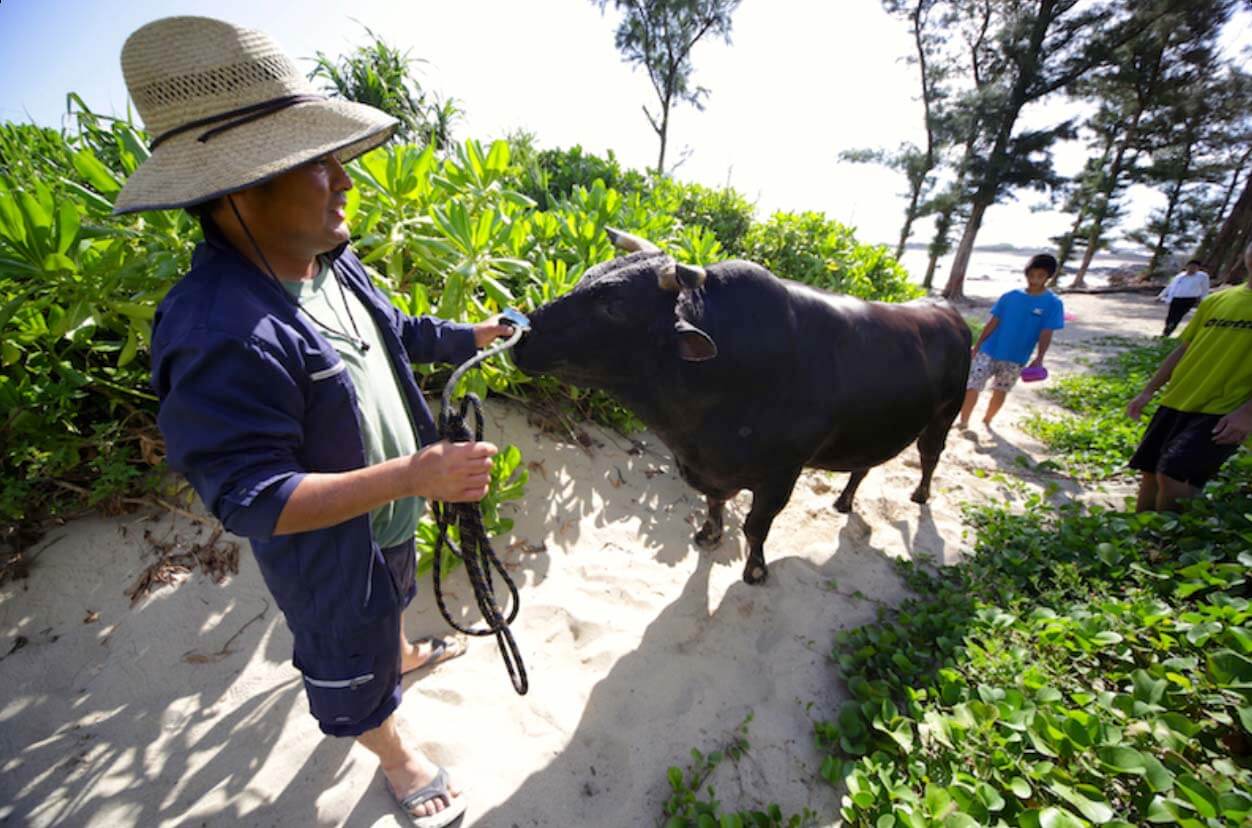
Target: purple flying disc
(1034,373)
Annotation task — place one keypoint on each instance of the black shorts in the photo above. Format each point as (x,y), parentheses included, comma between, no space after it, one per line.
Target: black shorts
(1180,445)
(353,685)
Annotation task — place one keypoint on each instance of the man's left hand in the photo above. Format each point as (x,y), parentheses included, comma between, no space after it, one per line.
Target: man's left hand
(489,331)
(1234,428)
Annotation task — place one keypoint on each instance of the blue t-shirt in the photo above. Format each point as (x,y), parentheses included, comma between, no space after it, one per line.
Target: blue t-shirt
(1022,318)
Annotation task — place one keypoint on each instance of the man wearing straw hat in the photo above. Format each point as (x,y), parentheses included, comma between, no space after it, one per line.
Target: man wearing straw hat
(287,396)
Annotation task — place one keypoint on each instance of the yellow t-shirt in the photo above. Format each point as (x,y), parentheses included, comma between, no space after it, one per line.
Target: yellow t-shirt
(1214,375)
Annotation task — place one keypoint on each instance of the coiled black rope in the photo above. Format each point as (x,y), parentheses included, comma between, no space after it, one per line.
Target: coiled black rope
(475,550)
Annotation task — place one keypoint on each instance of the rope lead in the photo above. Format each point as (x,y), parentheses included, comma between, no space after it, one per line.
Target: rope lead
(475,550)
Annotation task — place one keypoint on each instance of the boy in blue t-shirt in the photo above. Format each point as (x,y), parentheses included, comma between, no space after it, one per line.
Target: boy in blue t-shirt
(1019,320)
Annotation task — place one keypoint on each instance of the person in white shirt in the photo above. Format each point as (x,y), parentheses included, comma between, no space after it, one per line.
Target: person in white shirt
(1183,293)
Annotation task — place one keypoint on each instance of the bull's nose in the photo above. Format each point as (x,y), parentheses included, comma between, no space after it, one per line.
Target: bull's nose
(519,352)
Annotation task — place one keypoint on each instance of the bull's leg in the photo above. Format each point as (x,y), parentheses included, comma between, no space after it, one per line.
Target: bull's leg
(767,502)
(930,445)
(844,503)
(710,534)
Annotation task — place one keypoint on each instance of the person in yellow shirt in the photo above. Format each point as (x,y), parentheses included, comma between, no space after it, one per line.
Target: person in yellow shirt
(1206,411)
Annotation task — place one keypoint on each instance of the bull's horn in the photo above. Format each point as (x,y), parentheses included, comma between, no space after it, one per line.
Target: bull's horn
(690,277)
(630,243)
(667,276)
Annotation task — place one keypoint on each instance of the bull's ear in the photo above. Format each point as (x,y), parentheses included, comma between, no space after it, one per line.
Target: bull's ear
(694,345)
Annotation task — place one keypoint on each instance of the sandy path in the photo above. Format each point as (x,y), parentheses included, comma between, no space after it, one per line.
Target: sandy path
(639,647)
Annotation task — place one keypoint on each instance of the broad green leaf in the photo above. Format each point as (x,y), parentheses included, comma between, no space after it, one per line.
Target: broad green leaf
(55,262)
(12,222)
(502,296)
(1230,669)
(1199,794)
(129,349)
(97,174)
(135,310)
(498,156)
(1123,759)
(67,225)
(1160,778)
(1094,810)
(1058,818)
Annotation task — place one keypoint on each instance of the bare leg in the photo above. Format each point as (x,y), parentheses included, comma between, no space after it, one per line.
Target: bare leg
(993,406)
(1146,500)
(710,534)
(415,656)
(1170,491)
(967,408)
(406,769)
(766,504)
(844,503)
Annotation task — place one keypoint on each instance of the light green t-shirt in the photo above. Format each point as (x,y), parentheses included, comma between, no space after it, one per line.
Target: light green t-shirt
(386,426)
(1214,375)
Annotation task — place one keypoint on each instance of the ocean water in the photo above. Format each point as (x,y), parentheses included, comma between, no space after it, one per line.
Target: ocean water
(992,272)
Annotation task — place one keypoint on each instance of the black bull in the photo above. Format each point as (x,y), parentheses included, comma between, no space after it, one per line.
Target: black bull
(749,378)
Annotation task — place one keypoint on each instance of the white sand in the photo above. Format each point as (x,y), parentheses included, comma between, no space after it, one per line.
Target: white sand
(639,647)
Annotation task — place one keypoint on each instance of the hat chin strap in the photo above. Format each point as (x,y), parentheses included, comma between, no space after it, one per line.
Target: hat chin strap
(242,115)
(252,239)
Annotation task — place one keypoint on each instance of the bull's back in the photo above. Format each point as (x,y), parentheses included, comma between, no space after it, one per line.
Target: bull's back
(887,373)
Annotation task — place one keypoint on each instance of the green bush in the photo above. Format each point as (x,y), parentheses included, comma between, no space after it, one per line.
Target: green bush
(724,213)
(549,176)
(78,288)
(810,248)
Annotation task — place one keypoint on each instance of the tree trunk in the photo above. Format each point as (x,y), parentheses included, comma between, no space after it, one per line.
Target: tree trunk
(1106,201)
(909,215)
(943,225)
(985,195)
(929,280)
(1175,193)
(955,288)
(663,133)
(1066,248)
(1206,241)
(1225,255)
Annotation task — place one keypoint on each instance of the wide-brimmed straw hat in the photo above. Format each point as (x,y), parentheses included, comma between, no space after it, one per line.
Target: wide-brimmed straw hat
(227,109)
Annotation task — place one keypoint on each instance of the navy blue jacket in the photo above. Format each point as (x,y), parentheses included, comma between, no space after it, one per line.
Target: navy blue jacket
(253,397)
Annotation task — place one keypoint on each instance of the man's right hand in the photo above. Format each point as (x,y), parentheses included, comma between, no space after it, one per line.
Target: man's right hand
(1136,406)
(452,472)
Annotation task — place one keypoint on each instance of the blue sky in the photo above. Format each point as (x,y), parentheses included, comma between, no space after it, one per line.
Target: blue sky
(802,80)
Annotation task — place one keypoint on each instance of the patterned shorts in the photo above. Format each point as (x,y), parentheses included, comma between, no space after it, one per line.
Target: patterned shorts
(1002,373)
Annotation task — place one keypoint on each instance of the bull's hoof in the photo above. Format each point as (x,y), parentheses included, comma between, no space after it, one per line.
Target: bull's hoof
(708,537)
(843,506)
(755,573)
(920,496)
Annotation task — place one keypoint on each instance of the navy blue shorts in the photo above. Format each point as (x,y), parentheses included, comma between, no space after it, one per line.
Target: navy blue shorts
(1179,444)
(353,684)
